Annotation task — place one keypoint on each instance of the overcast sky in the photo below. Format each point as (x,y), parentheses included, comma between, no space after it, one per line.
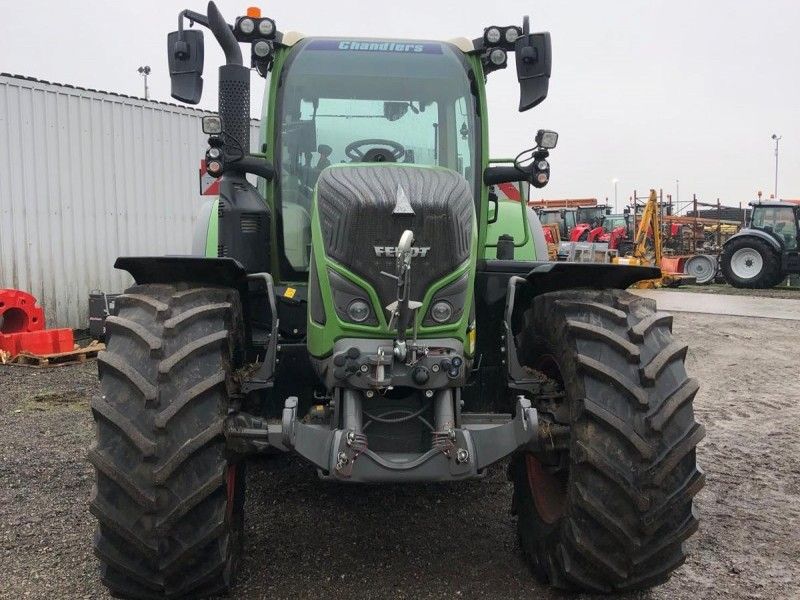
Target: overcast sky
(642,91)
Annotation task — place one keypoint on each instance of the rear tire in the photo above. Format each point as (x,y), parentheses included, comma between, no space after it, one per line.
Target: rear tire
(749,262)
(167,498)
(611,512)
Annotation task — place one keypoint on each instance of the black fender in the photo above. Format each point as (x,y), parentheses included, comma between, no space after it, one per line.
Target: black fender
(226,272)
(554,277)
(535,277)
(757,233)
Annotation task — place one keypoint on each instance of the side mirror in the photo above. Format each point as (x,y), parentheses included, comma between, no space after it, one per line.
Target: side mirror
(393,111)
(534,60)
(185,56)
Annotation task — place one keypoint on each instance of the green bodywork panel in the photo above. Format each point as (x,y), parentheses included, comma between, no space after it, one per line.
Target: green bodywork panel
(321,338)
(510,220)
(212,235)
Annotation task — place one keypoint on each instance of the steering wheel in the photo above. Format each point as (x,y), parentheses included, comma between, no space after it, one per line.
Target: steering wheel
(383,151)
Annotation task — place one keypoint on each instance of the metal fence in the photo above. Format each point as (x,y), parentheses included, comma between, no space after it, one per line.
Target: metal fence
(86,176)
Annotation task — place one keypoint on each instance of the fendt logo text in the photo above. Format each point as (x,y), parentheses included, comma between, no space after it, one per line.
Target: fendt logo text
(392,251)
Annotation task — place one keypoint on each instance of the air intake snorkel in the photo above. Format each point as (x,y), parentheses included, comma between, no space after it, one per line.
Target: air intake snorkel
(234,87)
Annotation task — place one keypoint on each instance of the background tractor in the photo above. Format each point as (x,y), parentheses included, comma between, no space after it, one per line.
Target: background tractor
(371,307)
(589,222)
(766,251)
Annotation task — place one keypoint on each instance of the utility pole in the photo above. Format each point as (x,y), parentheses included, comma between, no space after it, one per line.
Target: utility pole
(777,139)
(144,72)
(677,196)
(615,181)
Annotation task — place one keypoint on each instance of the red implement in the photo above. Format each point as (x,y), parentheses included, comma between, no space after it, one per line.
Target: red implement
(49,341)
(19,312)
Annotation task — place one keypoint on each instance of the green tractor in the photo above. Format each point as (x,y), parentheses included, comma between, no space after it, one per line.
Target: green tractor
(371,306)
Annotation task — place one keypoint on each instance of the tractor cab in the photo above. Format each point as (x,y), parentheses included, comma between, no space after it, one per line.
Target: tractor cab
(563,217)
(365,101)
(778,219)
(592,215)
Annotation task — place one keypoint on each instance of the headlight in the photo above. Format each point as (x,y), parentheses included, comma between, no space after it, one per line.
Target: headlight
(542,178)
(511,35)
(247,26)
(441,311)
(358,310)
(542,165)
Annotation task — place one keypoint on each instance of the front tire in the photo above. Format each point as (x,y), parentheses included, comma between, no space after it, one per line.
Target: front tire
(167,499)
(749,262)
(613,510)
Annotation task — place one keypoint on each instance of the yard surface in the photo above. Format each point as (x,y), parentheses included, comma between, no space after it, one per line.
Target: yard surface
(306,538)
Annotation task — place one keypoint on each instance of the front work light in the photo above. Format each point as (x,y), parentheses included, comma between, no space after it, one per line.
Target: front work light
(546,139)
(266,27)
(493,35)
(247,26)
(212,125)
(497,56)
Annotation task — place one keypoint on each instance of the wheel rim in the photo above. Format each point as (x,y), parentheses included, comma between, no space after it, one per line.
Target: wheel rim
(746,263)
(701,267)
(231,482)
(548,490)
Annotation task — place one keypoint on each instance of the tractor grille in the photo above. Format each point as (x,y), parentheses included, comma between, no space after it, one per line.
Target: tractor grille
(365,207)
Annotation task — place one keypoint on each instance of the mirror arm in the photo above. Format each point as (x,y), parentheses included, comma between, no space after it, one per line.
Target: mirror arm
(495,175)
(193,17)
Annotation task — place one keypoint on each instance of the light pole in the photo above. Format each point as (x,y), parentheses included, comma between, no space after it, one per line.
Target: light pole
(677,195)
(777,139)
(144,72)
(615,181)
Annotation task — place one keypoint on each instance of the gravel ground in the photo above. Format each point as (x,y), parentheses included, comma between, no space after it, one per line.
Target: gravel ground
(311,539)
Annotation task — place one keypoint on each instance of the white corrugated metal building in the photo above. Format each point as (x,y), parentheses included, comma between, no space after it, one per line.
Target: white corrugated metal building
(86,176)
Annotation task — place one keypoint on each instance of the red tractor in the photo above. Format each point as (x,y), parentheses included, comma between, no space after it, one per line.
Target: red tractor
(614,231)
(589,221)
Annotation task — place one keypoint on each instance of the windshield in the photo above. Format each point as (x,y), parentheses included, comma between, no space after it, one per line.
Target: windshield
(593,215)
(611,222)
(346,101)
(779,221)
(550,217)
